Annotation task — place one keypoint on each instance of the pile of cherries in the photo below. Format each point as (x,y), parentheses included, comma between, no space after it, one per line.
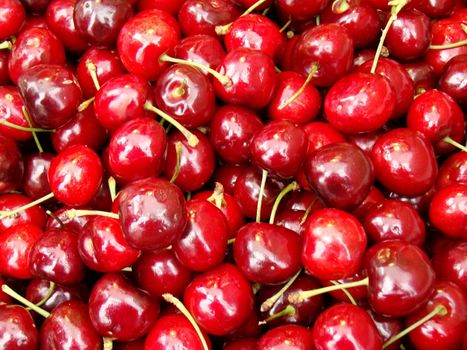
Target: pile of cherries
(232,174)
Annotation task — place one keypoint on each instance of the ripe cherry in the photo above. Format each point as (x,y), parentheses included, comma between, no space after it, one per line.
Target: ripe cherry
(34,215)
(301,10)
(17,328)
(11,111)
(12,16)
(453,170)
(451,81)
(286,336)
(449,263)
(422,76)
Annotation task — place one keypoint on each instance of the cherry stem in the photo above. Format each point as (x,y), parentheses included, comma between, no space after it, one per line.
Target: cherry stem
(288,310)
(293,186)
(231,241)
(192,139)
(222,78)
(47,295)
(74,213)
(6,45)
(286,25)
(308,211)
(346,292)
(318,20)
(93,72)
(265,11)
(23,128)
(107,343)
(397,6)
(5,214)
(85,104)
(34,135)
(297,297)
(55,217)
(217,196)
(222,30)
(290,34)
(456,144)
(7,290)
(340,6)
(439,310)
(292,98)
(448,46)
(112,187)
(178,154)
(127,269)
(268,303)
(179,305)
(264,176)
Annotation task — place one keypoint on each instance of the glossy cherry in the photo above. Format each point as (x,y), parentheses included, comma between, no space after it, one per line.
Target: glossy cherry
(11,165)
(11,111)
(17,328)
(227,175)
(286,337)
(436,8)
(453,170)
(35,180)
(301,10)
(451,81)
(34,215)
(422,76)
(12,14)
(449,263)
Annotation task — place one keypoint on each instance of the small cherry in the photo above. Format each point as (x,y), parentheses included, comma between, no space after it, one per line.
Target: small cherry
(286,337)
(17,328)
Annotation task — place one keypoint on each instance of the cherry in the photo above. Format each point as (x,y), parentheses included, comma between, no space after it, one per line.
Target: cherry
(374,197)
(436,8)
(59,17)
(4,75)
(100,21)
(447,211)
(62,219)
(286,337)
(35,180)
(159,272)
(174,331)
(152,213)
(34,215)
(26,53)
(220,294)
(232,129)
(119,310)
(11,114)
(365,141)
(186,94)
(320,134)
(15,245)
(301,10)
(17,328)
(404,154)
(334,62)
(144,38)
(387,328)
(227,175)
(12,16)
(449,263)
(248,73)
(401,278)
(11,165)
(171,6)
(422,76)
(452,78)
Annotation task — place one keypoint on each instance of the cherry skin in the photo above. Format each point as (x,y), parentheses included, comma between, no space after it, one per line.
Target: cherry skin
(442,331)
(436,8)
(345,326)
(15,246)
(12,16)
(26,53)
(280,148)
(291,337)
(100,21)
(75,167)
(359,102)
(11,110)
(374,197)
(174,331)
(51,94)
(17,328)
(144,38)
(186,94)
(220,294)
(231,131)
(266,253)
(34,215)
(159,272)
(59,17)
(136,150)
(449,263)
(403,154)
(451,81)
(227,175)
(119,310)
(301,10)
(4,75)
(69,327)
(152,213)
(11,165)
(196,163)
(171,6)
(242,344)
(334,62)
(400,278)
(422,76)
(61,219)
(447,211)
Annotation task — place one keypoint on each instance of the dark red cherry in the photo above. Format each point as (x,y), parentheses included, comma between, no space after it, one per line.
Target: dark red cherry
(280,148)
(250,73)
(341,174)
(365,141)
(374,197)
(102,247)
(220,294)
(35,180)
(231,131)
(186,94)
(34,215)
(75,167)
(202,16)
(301,10)
(11,165)
(320,134)
(136,150)
(346,326)
(51,94)
(69,327)
(174,331)
(11,111)
(447,211)
(334,244)
(334,62)
(436,8)
(4,75)
(404,162)
(100,21)
(453,78)
(144,38)
(267,254)
(17,328)
(286,337)
(400,278)
(422,76)
(59,17)
(107,63)
(119,310)
(227,174)
(196,163)
(171,6)
(242,344)
(159,272)
(55,257)
(15,246)
(26,53)
(12,16)
(152,213)
(453,170)
(61,219)
(450,264)
(435,115)
(387,327)
(360,102)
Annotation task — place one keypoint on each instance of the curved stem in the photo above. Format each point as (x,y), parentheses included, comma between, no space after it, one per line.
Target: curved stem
(293,186)
(24,128)
(307,211)
(85,104)
(288,310)
(456,144)
(47,295)
(7,290)
(264,176)
(26,206)
(346,292)
(34,135)
(73,213)
(268,303)
(448,46)
(93,72)
(222,30)
(292,98)
(55,217)
(178,154)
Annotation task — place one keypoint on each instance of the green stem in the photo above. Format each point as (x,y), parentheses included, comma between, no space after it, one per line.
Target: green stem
(346,292)
(93,72)
(264,176)
(288,310)
(112,187)
(47,295)
(24,128)
(222,30)
(6,45)
(85,104)
(268,303)
(7,290)
(293,186)
(73,213)
(217,196)
(456,144)
(178,154)
(34,135)
(292,98)
(286,25)
(448,46)
(4,214)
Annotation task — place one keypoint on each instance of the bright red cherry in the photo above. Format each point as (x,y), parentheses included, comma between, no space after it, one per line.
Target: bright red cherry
(12,16)
(171,6)
(301,10)
(17,328)
(34,215)
(11,111)
(453,170)
(453,78)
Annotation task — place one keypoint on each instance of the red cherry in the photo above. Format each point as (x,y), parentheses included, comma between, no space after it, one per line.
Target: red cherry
(301,10)
(422,76)
(12,16)
(11,165)
(171,6)
(453,170)
(34,215)
(374,197)
(11,111)
(227,175)
(451,81)
(286,337)
(17,328)
(436,8)
(450,264)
